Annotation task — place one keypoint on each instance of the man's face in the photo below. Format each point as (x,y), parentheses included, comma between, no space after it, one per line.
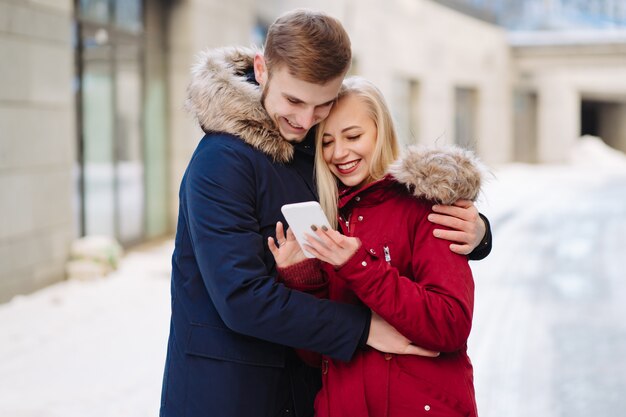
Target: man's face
(294,105)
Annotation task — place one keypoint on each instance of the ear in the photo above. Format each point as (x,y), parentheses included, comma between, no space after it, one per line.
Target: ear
(260,69)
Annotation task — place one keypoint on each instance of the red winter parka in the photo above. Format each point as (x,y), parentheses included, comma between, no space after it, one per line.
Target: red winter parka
(413,281)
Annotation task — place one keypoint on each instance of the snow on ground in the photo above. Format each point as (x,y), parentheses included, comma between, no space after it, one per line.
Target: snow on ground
(96,348)
(89,348)
(509,190)
(548,336)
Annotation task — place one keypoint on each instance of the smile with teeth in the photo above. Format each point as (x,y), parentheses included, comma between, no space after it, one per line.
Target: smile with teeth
(347,167)
(295,126)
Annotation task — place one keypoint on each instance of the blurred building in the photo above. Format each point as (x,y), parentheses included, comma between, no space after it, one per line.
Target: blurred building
(94,139)
(38,147)
(567,84)
(545,14)
(568,71)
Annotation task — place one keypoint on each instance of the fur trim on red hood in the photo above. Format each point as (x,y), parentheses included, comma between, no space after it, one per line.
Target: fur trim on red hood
(441,174)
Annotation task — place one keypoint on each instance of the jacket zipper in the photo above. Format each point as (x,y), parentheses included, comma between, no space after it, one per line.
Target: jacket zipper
(387,255)
(347,221)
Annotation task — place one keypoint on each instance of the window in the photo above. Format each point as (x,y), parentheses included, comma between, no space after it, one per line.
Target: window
(525,126)
(120,100)
(465,119)
(406,110)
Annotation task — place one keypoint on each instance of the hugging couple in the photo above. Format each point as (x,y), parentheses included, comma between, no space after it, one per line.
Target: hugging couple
(377,323)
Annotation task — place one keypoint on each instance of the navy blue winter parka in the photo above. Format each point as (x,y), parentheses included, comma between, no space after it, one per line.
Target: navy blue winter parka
(232,325)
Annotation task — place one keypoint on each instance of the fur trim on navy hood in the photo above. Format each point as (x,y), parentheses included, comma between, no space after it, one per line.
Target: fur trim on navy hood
(223,100)
(441,174)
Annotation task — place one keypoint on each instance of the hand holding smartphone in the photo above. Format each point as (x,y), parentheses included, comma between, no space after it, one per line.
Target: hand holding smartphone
(301,216)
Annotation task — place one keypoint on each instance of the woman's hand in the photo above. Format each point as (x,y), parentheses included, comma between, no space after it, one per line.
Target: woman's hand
(288,251)
(332,247)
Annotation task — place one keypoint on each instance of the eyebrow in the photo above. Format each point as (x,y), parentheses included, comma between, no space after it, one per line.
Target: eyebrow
(292,98)
(344,130)
(297,100)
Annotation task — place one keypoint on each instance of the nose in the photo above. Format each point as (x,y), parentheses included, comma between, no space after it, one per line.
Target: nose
(340,151)
(308,118)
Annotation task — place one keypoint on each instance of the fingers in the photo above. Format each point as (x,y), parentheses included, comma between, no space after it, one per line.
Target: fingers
(273,248)
(461,249)
(320,250)
(449,210)
(462,209)
(321,240)
(335,241)
(332,239)
(465,244)
(313,251)
(280,232)
(452,236)
(326,237)
(290,235)
(463,203)
(448,221)
(327,249)
(337,237)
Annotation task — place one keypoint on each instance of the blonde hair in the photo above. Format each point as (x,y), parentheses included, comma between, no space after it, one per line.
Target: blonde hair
(386,149)
(313,46)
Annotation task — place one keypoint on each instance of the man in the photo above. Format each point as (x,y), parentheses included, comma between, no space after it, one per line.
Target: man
(232,325)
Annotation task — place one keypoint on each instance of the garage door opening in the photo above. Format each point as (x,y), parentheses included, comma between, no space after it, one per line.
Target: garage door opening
(605,119)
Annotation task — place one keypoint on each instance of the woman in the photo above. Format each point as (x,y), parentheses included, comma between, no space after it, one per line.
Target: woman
(387,258)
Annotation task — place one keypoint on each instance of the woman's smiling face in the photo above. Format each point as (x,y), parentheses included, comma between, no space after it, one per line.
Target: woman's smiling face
(349,140)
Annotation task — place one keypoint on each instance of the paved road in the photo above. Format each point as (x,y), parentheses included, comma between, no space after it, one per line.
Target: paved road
(549,334)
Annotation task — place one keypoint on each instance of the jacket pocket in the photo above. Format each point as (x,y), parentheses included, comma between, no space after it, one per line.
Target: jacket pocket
(412,395)
(223,344)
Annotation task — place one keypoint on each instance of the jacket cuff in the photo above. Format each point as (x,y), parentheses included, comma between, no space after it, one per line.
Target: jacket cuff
(307,272)
(356,263)
(484,247)
(366,332)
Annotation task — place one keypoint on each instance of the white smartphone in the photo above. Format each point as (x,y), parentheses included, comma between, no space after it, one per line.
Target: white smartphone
(301,216)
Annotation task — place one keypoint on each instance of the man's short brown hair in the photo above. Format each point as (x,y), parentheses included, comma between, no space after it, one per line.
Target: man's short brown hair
(314,46)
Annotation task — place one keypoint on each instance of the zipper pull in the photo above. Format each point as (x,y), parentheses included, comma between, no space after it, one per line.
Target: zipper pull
(347,222)
(387,256)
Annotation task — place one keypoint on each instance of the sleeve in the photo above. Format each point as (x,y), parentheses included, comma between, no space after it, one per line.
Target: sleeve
(484,247)
(434,307)
(220,201)
(306,276)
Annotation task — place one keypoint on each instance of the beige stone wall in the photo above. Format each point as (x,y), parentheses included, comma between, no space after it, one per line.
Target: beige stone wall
(37,143)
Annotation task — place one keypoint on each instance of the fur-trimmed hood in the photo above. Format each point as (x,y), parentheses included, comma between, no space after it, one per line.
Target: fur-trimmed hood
(441,174)
(223,100)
